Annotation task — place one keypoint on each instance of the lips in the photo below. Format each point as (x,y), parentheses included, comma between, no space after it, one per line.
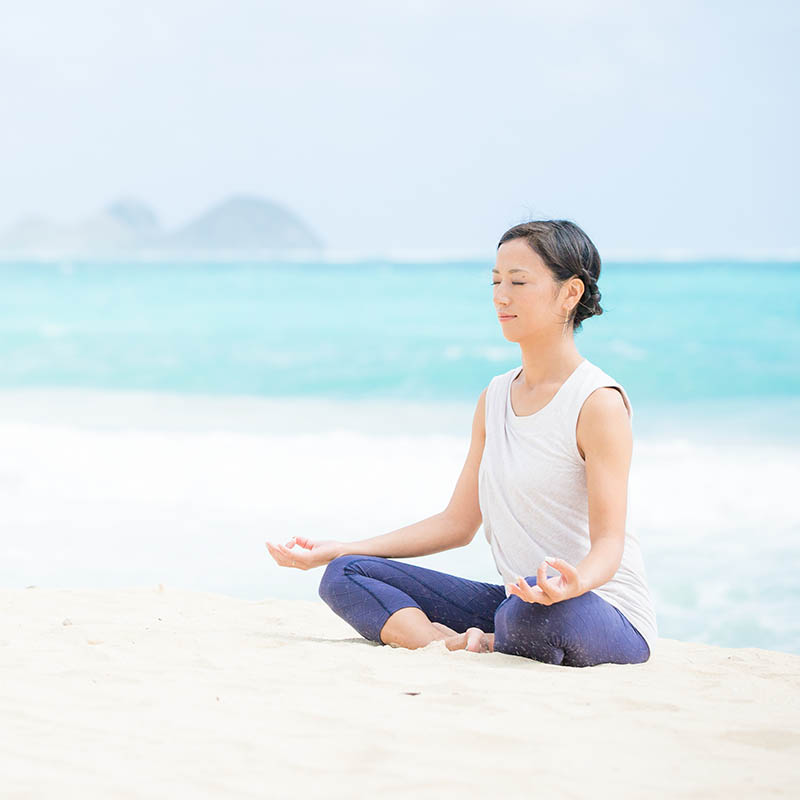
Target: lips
(506,316)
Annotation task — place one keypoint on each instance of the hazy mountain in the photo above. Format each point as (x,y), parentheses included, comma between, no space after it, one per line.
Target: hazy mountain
(247,223)
(125,225)
(31,232)
(135,216)
(242,224)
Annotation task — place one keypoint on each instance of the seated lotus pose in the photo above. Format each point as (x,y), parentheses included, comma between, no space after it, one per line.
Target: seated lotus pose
(547,476)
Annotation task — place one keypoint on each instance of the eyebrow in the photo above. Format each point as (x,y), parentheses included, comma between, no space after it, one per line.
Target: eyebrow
(516,269)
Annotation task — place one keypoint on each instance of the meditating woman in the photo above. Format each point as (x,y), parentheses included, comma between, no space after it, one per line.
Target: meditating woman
(547,475)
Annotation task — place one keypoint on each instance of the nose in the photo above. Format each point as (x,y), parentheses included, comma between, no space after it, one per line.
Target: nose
(500,296)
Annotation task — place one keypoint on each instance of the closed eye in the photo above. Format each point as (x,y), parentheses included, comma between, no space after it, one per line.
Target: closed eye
(514,283)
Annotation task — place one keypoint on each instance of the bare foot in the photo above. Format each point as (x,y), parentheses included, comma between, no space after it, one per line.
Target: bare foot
(473,639)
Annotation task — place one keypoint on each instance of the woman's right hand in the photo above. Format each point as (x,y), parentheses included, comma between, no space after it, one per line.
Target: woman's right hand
(304,553)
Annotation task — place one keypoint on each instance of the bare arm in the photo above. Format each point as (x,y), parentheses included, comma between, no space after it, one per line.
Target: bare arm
(454,527)
(431,535)
(606,438)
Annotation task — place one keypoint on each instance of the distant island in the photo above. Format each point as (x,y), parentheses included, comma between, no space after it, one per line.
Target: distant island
(240,225)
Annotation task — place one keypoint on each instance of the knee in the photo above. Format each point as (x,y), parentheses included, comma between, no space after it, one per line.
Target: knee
(534,618)
(333,575)
(530,629)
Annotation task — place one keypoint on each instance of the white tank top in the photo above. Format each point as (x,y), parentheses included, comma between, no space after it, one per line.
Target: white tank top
(533,496)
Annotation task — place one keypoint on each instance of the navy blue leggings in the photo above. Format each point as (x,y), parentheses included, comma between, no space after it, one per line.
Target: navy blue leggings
(580,632)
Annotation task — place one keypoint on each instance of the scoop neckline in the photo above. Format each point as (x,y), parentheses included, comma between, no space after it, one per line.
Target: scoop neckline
(550,402)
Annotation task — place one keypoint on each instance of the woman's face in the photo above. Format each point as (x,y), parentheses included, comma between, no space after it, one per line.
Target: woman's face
(524,289)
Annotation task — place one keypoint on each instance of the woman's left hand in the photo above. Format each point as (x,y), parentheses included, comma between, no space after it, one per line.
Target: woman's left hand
(549,590)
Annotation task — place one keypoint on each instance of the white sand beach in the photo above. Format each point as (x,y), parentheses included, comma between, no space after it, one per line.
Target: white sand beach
(157,692)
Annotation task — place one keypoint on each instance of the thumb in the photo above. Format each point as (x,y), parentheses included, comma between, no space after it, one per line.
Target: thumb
(304,542)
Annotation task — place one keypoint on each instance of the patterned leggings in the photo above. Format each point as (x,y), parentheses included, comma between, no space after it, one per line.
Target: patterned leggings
(580,632)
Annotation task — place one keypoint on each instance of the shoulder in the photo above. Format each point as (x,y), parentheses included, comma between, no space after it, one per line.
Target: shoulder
(485,398)
(500,380)
(603,394)
(506,375)
(605,402)
(604,421)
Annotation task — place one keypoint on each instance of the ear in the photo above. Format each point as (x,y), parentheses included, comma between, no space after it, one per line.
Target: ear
(575,288)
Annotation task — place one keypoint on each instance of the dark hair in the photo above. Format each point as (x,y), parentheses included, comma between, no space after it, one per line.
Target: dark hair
(567,251)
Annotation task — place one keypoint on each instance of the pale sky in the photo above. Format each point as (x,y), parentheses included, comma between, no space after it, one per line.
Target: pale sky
(416,125)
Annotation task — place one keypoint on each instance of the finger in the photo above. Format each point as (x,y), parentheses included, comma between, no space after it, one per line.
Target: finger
(291,542)
(295,559)
(528,593)
(569,580)
(523,590)
(304,542)
(276,554)
(538,596)
(285,550)
(542,582)
(564,567)
(283,556)
(524,587)
(533,594)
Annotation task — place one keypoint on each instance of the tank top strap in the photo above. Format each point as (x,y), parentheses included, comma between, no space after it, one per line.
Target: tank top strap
(595,378)
(496,398)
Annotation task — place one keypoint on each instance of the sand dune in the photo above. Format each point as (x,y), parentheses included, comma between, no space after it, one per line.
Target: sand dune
(163,693)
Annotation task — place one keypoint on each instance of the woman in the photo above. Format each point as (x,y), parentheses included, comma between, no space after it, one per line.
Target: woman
(546,473)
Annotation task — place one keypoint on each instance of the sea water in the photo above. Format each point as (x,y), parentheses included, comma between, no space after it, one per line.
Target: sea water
(160,421)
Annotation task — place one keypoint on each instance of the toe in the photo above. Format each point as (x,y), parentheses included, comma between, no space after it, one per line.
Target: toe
(476,640)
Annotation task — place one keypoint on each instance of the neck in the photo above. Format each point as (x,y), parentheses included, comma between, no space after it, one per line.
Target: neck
(549,362)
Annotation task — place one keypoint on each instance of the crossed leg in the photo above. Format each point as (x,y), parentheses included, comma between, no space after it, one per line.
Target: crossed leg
(393,602)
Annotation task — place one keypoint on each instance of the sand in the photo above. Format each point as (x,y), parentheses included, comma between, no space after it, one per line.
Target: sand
(158,692)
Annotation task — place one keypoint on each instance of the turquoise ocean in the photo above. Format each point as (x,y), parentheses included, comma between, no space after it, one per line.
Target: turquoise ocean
(162,420)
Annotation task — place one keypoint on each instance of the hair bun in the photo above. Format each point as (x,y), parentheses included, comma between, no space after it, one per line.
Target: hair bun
(589,286)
